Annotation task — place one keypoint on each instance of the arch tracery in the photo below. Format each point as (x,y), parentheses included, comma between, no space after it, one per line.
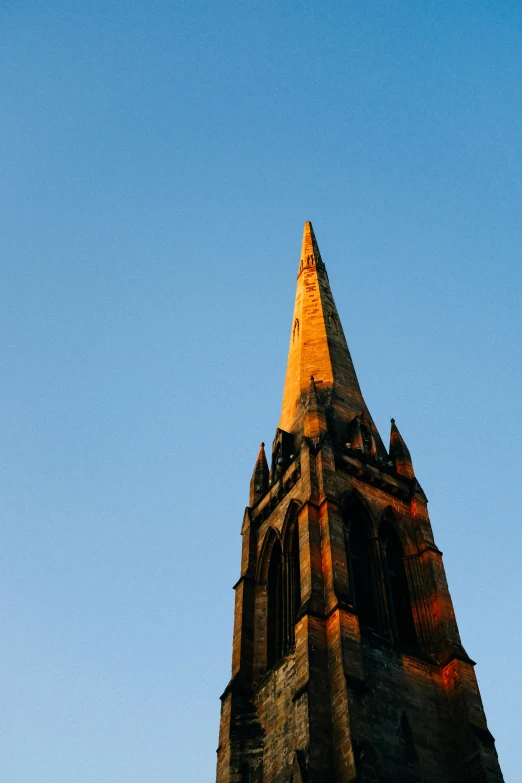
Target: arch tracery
(396,582)
(275,606)
(279,570)
(379,585)
(271,537)
(361,559)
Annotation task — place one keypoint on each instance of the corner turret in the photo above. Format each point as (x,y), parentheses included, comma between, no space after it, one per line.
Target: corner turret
(399,453)
(259,480)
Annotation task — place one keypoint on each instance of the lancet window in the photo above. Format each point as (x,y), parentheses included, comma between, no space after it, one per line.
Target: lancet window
(360,565)
(295,583)
(275,590)
(283,599)
(396,582)
(379,585)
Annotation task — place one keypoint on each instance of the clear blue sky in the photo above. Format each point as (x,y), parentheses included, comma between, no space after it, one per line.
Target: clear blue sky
(158,162)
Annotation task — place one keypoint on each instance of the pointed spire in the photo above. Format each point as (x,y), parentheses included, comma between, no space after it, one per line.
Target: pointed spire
(259,480)
(310,254)
(399,453)
(318,347)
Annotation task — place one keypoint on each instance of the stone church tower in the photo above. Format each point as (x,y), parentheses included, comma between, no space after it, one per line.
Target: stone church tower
(347,663)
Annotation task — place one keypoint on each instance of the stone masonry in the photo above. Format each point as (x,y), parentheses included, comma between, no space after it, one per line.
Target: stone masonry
(347,663)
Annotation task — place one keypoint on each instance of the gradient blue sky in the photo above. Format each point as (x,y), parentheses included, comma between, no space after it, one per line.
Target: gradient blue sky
(158,162)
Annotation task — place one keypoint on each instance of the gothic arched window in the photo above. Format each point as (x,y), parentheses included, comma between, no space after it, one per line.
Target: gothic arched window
(360,565)
(283,598)
(360,568)
(295,582)
(399,601)
(275,606)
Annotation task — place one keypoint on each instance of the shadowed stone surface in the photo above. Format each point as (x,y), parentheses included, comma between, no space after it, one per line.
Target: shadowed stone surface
(347,663)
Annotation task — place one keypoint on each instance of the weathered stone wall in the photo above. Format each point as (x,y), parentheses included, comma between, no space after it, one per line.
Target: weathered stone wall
(408,716)
(277,715)
(354,698)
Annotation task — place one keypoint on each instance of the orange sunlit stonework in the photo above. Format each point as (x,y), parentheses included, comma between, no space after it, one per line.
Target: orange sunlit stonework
(347,663)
